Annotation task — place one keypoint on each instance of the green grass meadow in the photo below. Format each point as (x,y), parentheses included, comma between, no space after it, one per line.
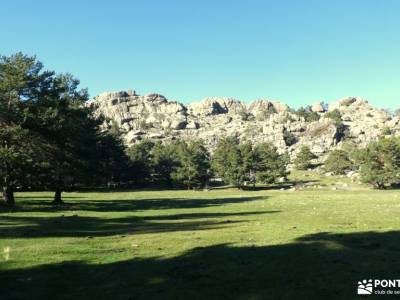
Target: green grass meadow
(314,243)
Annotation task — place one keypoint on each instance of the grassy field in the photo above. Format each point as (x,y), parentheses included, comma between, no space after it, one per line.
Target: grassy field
(314,243)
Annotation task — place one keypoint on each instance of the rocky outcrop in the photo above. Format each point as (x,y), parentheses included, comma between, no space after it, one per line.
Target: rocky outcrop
(153,116)
(317,107)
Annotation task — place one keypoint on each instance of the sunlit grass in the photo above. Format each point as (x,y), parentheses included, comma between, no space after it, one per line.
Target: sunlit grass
(223,243)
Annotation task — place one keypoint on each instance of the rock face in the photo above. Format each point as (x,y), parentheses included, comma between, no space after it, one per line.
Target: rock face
(154,117)
(317,107)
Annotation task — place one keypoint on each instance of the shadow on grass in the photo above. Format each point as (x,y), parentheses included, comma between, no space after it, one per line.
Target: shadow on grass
(46,197)
(319,266)
(83,226)
(121,205)
(268,187)
(277,186)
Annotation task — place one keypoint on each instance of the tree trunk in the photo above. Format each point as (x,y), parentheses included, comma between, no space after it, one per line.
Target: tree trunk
(8,195)
(57,197)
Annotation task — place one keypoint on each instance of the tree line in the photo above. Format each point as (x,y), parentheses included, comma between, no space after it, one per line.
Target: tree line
(378,164)
(189,164)
(50,140)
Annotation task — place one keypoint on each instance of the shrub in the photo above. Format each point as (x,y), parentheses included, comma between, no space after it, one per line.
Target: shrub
(304,158)
(386,131)
(380,163)
(307,114)
(289,138)
(335,115)
(265,114)
(341,129)
(338,162)
(245,116)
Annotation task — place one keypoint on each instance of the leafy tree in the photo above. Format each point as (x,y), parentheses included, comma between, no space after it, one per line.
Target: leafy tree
(237,163)
(17,153)
(21,82)
(166,161)
(141,161)
(194,164)
(270,165)
(113,163)
(72,131)
(307,114)
(380,163)
(249,162)
(227,162)
(54,135)
(304,158)
(338,162)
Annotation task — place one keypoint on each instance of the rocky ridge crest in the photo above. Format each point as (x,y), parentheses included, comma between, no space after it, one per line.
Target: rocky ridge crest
(153,116)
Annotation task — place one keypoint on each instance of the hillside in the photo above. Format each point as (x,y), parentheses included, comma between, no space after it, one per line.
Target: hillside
(153,116)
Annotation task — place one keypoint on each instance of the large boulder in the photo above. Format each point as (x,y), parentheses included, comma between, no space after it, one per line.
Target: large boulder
(216,105)
(317,107)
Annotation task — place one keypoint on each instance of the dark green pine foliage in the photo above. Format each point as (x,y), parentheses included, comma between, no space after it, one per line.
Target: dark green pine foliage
(227,162)
(338,162)
(72,133)
(341,129)
(303,160)
(270,164)
(142,162)
(380,163)
(22,83)
(49,138)
(165,161)
(193,164)
(249,162)
(112,162)
(307,114)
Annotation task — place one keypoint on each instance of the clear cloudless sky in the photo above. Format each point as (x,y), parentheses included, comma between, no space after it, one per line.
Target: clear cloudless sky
(297,51)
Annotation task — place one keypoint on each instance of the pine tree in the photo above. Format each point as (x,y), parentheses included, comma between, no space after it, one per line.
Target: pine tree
(270,164)
(72,133)
(22,83)
(194,164)
(249,161)
(338,162)
(113,163)
(165,161)
(141,161)
(380,163)
(237,163)
(303,160)
(227,162)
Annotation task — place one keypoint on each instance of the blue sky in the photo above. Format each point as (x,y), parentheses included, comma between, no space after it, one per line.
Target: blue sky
(298,51)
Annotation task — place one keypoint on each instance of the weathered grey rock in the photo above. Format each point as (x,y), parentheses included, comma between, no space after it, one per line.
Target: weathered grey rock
(317,107)
(153,116)
(192,125)
(215,106)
